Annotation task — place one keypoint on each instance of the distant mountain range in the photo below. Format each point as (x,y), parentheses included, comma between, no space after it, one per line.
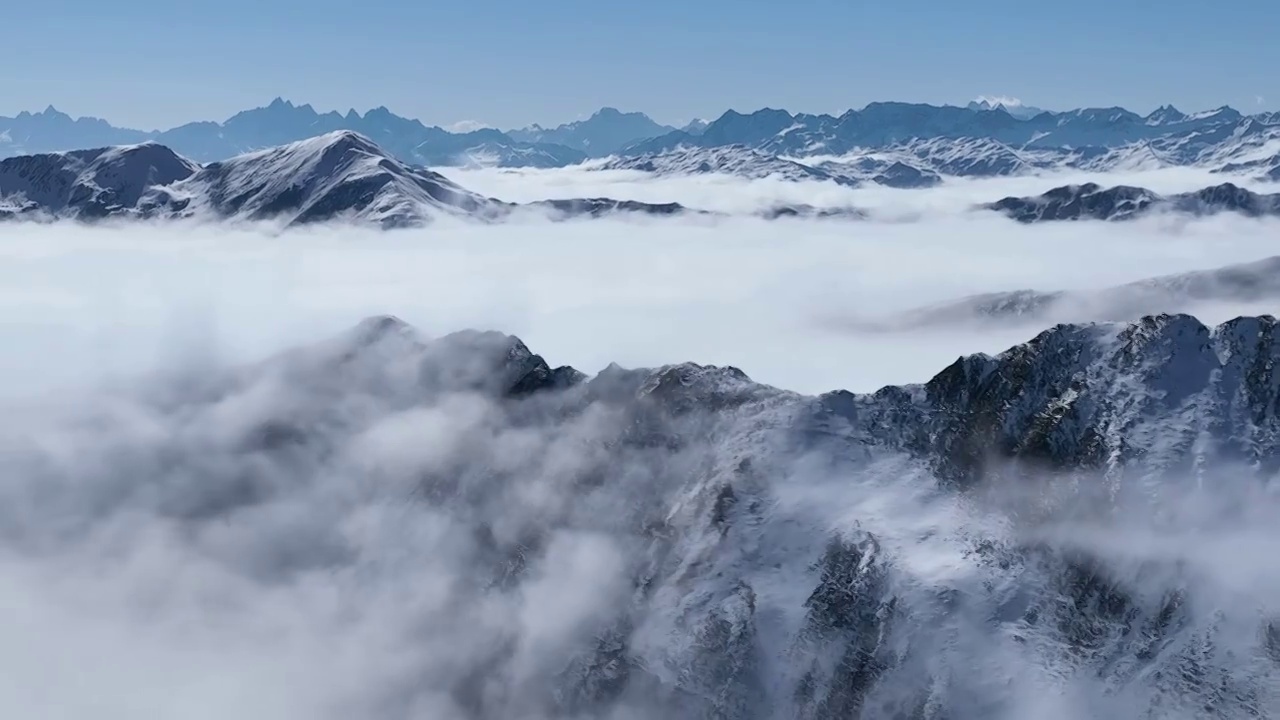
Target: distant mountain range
(989,137)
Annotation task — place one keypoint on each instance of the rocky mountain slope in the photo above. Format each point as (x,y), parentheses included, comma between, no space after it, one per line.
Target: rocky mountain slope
(87,183)
(1025,535)
(1091,201)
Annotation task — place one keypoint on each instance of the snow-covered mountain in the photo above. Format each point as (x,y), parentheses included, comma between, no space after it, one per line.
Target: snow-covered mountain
(1251,282)
(1066,529)
(336,176)
(1091,201)
(87,184)
(604,133)
(982,137)
(744,162)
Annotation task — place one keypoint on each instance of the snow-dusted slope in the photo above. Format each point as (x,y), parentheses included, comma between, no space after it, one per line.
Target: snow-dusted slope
(337,176)
(734,160)
(87,183)
(1055,531)
(1092,201)
(898,170)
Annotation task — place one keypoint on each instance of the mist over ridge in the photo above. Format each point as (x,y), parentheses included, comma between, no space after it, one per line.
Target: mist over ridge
(293,474)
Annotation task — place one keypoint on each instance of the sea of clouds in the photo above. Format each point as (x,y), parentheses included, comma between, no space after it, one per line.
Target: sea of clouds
(140,578)
(766,296)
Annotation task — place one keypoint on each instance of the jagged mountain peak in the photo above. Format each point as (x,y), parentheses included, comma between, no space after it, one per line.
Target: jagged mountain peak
(340,174)
(1166,115)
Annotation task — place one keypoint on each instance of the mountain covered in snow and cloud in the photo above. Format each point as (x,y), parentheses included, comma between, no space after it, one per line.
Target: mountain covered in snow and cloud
(1054,531)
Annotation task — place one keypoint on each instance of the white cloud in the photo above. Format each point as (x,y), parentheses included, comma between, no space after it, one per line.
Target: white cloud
(466,126)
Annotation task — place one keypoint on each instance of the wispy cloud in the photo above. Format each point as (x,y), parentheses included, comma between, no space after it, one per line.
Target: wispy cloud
(465,126)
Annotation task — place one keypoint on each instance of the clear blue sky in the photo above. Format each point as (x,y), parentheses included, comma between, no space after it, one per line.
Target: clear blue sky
(148,63)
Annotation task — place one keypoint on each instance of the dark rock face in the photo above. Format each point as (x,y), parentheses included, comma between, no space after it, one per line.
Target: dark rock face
(756,553)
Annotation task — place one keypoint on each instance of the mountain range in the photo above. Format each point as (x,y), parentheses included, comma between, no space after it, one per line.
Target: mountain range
(1040,533)
(344,176)
(983,139)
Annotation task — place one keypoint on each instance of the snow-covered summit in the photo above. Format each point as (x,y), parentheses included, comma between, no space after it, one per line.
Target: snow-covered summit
(338,175)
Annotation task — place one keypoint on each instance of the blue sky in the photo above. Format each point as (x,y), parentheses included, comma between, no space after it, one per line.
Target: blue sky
(147,63)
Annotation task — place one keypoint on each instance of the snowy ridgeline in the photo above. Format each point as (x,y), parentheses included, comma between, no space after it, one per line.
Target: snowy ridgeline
(917,141)
(1044,533)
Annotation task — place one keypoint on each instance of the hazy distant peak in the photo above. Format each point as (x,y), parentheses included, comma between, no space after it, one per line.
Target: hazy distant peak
(605,132)
(1011,105)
